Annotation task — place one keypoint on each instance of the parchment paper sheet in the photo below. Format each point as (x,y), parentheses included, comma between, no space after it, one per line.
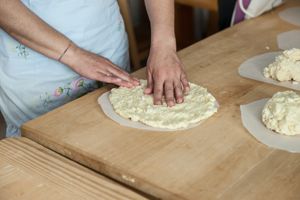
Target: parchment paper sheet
(291,15)
(289,40)
(251,119)
(253,69)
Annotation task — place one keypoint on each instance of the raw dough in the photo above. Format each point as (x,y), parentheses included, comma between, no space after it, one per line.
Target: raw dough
(282,113)
(286,66)
(133,104)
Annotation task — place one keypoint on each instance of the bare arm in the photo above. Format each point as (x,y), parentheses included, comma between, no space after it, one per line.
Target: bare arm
(18,21)
(27,28)
(164,69)
(161,14)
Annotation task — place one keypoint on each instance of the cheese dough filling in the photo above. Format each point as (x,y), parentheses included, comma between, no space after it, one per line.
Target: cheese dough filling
(282,113)
(286,66)
(132,103)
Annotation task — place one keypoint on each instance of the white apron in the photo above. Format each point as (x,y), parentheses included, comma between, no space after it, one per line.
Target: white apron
(32,84)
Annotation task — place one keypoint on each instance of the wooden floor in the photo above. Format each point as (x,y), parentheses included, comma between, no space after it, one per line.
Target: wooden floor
(29,171)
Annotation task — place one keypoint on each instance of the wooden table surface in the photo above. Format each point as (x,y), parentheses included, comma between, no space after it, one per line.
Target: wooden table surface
(218,159)
(29,171)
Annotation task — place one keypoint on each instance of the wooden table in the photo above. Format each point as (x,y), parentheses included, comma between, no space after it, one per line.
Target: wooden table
(29,171)
(218,159)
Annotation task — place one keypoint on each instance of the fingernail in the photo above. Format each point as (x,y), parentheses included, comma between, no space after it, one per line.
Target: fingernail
(186,90)
(171,104)
(130,85)
(158,103)
(179,100)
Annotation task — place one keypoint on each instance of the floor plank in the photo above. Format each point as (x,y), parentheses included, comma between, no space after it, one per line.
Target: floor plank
(29,171)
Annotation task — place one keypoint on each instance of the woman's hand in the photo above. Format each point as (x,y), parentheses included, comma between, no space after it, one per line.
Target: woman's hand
(166,76)
(98,68)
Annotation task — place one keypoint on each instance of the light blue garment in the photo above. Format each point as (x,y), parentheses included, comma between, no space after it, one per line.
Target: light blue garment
(32,84)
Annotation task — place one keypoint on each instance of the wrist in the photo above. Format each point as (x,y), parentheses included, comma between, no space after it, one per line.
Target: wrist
(163,38)
(168,43)
(69,57)
(64,52)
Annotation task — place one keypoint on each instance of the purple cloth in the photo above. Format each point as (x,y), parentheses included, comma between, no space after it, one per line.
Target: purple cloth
(239,14)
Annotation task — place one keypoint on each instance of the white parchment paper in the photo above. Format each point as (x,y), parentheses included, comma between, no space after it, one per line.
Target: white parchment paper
(291,15)
(289,40)
(251,119)
(108,110)
(253,68)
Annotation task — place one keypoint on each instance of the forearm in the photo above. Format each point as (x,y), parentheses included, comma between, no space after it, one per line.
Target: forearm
(161,15)
(30,30)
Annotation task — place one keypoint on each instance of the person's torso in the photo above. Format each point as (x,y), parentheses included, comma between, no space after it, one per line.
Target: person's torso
(95,25)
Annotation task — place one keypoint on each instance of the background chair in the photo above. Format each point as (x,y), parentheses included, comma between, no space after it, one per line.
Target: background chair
(2,127)
(139,37)
(185,19)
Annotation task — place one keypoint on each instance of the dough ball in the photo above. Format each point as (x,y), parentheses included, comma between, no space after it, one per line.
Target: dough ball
(282,113)
(286,66)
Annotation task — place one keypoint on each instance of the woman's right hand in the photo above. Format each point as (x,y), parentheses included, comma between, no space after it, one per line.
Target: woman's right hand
(95,67)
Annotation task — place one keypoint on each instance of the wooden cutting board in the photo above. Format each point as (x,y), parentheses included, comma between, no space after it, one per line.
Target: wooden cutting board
(29,171)
(216,160)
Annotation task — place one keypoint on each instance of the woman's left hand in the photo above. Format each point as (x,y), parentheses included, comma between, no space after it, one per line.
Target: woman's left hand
(166,76)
